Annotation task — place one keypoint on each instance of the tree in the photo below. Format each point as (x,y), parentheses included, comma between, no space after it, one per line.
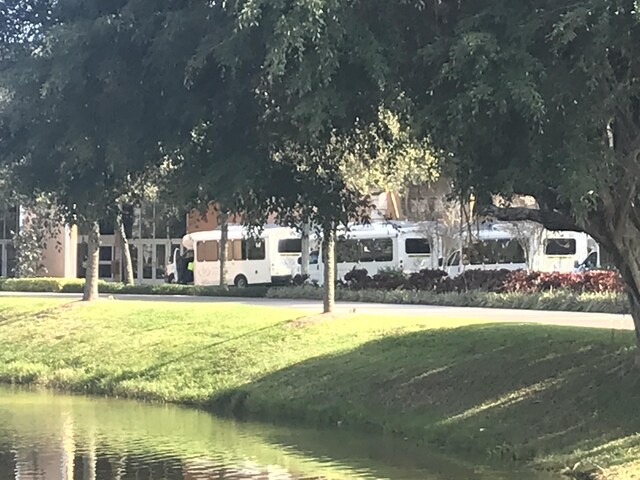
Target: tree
(539,98)
(41,223)
(80,115)
(321,87)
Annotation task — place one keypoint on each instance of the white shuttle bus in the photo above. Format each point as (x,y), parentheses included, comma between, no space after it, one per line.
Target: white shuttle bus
(493,248)
(566,252)
(377,246)
(270,258)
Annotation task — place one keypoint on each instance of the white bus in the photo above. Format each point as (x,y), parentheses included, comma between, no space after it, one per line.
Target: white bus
(270,258)
(492,248)
(376,246)
(566,251)
(495,247)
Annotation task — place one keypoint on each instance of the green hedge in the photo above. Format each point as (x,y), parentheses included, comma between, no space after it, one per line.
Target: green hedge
(560,300)
(60,285)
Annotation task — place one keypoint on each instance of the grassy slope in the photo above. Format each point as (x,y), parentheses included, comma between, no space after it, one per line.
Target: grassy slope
(552,395)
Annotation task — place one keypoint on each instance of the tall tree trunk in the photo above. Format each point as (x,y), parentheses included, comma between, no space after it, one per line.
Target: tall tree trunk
(125,252)
(304,257)
(224,237)
(93,262)
(329,257)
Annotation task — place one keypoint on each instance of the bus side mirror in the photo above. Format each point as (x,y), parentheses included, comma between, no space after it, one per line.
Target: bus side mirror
(299,260)
(440,262)
(576,264)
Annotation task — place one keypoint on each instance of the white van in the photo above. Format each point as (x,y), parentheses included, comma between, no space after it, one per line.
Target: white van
(564,251)
(270,258)
(377,246)
(493,248)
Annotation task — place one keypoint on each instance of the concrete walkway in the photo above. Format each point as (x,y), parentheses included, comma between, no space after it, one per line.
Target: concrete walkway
(311,307)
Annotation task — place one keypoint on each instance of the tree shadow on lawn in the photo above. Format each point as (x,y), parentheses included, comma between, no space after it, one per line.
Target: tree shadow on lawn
(514,391)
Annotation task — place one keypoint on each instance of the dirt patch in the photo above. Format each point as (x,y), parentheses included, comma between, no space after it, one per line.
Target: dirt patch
(628,471)
(54,310)
(66,307)
(309,321)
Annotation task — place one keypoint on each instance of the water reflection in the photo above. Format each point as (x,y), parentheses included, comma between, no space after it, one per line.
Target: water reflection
(45,436)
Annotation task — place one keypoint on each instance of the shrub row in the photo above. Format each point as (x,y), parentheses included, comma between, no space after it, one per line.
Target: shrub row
(59,285)
(553,298)
(560,300)
(495,281)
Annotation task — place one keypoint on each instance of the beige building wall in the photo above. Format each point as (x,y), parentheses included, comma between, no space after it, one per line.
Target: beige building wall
(60,256)
(198,221)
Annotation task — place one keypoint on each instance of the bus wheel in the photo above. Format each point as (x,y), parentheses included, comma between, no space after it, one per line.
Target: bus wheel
(241,281)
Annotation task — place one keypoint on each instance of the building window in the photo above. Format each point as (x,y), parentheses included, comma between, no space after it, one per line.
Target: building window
(417,246)
(157,220)
(560,246)
(104,270)
(106,253)
(9,222)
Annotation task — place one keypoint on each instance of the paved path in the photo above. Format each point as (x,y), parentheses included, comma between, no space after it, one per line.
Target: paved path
(311,307)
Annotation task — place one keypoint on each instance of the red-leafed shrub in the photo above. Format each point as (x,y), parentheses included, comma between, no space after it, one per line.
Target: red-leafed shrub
(600,281)
(479,280)
(493,281)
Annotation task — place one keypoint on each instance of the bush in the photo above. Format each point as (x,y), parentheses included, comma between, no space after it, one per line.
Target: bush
(427,280)
(62,285)
(390,279)
(494,281)
(478,280)
(561,300)
(597,281)
(32,285)
(357,279)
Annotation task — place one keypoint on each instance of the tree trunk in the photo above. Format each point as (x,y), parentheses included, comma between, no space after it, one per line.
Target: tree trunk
(125,252)
(93,261)
(629,268)
(304,258)
(329,256)
(224,237)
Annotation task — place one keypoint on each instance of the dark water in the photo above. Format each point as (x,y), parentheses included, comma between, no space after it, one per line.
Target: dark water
(47,436)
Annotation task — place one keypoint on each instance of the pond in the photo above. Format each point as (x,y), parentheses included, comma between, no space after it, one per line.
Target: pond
(50,436)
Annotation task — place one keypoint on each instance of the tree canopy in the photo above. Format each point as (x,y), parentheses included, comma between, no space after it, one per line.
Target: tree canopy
(279,106)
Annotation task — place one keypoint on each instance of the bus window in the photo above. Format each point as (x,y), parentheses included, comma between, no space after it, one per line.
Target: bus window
(376,250)
(417,246)
(454,259)
(290,245)
(208,251)
(492,252)
(234,250)
(560,246)
(347,251)
(254,249)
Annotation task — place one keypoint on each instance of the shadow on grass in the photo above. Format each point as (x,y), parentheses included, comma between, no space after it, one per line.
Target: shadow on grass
(513,391)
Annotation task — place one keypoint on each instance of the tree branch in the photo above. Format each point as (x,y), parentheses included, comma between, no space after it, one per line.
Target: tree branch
(549,220)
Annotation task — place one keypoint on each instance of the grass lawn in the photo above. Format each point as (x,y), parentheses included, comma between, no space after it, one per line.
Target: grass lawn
(548,395)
